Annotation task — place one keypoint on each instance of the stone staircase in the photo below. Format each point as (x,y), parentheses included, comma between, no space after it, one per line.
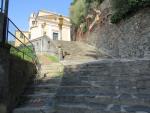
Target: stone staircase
(51,69)
(101,86)
(39,96)
(105,86)
(77,50)
(44,59)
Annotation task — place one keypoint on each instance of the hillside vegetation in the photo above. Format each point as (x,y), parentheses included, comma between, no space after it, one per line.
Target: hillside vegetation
(81,8)
(123,8)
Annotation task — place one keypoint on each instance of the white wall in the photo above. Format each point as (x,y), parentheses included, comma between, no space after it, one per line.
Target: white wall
(50,27)
(66,35)
(36,32)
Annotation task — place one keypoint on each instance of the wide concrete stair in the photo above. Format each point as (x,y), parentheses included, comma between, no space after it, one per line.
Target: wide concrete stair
(105,86)
(51,69)
(43,59)
(77,50)
(39,96)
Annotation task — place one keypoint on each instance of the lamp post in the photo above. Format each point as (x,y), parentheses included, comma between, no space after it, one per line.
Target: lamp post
(61,22)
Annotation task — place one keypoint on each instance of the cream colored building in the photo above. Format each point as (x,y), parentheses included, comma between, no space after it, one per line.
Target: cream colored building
(44,23)
(22,37)
(48,23)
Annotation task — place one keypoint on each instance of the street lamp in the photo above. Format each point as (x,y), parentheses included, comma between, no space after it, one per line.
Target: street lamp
(61,22)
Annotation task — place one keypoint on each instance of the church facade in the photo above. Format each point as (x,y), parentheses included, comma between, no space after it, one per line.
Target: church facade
(44,23)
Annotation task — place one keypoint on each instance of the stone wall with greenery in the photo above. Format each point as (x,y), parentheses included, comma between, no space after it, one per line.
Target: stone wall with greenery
(128,36)
(80,9)
(123,8)
(15,76)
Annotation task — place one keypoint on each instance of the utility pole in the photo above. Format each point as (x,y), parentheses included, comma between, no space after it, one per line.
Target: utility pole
(5,22)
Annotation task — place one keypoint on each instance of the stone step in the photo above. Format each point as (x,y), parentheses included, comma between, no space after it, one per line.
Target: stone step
(85,89)
(99,83)
(82,108)
(44,109)
(42,94)
(124,99)
(146,31)
(104,89)
(72,108)
(88,79)
(52,64)
(52,72)
(100,108)
(36,100)
(104,83)
(103,77)
(86,98)
(42,88)
(99,72)
(45,81)
(52,67)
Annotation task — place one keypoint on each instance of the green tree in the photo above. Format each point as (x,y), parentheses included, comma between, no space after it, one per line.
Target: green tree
(124,7)
(78,12)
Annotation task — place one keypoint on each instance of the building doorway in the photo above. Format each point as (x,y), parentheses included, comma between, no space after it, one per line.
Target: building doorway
(55,36)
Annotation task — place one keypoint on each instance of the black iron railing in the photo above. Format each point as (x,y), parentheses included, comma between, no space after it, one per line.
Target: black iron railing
(20,44)
(2,6)
(24,49)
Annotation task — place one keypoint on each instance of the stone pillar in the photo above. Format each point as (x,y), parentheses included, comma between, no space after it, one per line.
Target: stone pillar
(60,53)
(4,78)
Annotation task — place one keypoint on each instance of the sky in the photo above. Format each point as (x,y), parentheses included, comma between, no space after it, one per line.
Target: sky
(20,10)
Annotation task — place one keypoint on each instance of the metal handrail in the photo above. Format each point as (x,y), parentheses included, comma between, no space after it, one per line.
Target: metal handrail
(21,51)
(20,31)
(19,41)
(33,57)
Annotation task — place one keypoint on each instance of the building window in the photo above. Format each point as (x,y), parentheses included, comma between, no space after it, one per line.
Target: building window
(33,22)
(44,33)
(21,35)
(37,44)
(55,36)
(29,36)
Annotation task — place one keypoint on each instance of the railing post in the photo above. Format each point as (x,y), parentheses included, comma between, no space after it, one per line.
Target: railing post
(4,38)
(23,55)
(2,5)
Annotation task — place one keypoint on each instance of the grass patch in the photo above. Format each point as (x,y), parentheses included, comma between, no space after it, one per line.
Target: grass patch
(23,53)
(52,58)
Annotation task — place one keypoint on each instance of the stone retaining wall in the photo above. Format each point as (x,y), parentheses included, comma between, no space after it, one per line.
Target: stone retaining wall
(15,74)
(130,38)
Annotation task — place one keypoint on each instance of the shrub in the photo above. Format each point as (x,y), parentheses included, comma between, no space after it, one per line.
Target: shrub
(124,7)
(23,53)
(52,58)
(80,8)
(84,27)
(78,12)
